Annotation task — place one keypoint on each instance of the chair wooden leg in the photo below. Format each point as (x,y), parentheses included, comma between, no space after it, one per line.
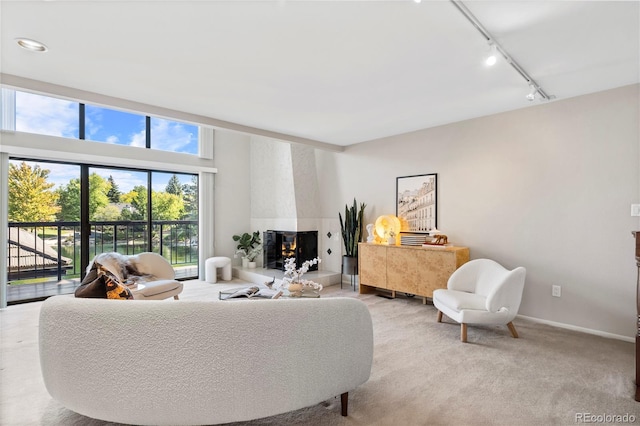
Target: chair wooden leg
(463,332)
(344,402)
(176,297)
(439,316)
(512,329)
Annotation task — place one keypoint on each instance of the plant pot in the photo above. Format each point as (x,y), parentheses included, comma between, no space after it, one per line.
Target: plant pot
(252,265)
(349,265)
(245,262)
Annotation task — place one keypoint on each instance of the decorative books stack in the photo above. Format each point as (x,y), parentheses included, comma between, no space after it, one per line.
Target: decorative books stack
(412,239)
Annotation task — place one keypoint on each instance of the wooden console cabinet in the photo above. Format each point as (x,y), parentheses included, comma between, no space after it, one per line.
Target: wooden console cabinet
(414,270)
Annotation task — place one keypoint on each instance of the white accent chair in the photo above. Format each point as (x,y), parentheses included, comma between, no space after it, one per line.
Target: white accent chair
(481,292)
(163,284)
(202,362)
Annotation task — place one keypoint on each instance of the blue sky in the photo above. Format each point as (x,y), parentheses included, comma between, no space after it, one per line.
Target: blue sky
(58,117)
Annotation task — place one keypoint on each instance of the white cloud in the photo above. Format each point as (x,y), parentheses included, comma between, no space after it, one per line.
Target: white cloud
(139,139)
(92,120)
(125,179)
(45,115)
(173,136)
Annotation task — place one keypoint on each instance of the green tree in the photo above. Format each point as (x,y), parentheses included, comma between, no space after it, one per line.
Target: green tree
(166,206)
(107,213)
(190,198)
(31,198)
(69,201)
(136,198)
(69,198)
(174,187)
(98,190)
(114,192)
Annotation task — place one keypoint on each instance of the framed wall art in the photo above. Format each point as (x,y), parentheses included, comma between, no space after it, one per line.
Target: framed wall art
(417,202)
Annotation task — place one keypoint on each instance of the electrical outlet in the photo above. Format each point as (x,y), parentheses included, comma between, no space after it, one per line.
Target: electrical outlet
(556,291)
(635,209)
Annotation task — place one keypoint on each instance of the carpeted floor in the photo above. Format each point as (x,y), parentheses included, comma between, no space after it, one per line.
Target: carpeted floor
(422,374)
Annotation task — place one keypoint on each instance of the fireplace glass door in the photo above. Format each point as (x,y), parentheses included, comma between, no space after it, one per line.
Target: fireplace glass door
(281,245)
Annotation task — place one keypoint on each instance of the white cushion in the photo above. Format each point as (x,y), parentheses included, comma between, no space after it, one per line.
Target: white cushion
(157,288)
(459,300)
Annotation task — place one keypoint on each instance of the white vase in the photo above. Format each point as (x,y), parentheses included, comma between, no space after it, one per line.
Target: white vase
(252,265)
(245,262)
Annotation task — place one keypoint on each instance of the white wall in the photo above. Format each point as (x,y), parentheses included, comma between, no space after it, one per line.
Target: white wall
(273,203)
(547,187)
(232,190)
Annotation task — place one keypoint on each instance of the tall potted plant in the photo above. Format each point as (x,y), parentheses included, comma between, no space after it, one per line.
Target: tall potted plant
(352,230)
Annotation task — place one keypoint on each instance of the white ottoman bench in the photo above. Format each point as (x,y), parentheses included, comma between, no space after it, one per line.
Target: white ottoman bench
(211,266)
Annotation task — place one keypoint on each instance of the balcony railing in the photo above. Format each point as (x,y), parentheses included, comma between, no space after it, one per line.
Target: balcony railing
(52,249)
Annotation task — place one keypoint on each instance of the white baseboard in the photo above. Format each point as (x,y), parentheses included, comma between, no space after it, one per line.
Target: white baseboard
(580,329)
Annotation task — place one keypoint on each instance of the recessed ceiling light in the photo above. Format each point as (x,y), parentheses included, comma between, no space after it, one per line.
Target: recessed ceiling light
(32,45)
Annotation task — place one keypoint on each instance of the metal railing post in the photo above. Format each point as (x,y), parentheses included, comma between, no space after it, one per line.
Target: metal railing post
(59,228)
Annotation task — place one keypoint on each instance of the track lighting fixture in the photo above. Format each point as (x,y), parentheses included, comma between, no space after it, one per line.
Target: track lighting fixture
(497,48)
(492,58)
(532,93)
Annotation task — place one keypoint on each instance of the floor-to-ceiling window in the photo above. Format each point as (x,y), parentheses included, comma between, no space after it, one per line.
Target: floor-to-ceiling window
(62,214)
(44,243)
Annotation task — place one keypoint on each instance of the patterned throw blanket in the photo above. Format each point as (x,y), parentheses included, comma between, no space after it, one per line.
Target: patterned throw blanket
(102,283)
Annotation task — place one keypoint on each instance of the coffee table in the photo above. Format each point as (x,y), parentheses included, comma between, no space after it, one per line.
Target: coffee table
(224,295)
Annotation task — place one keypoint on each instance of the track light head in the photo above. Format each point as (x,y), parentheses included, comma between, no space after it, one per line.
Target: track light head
(532,93)
(492,58)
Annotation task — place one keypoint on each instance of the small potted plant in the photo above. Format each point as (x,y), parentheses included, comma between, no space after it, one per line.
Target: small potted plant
(252,255)
(249,245)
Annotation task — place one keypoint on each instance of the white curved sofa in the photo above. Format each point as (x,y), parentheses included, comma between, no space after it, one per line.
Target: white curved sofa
(197,362)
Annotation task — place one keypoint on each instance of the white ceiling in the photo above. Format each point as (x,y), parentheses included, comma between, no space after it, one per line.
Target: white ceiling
(338,72)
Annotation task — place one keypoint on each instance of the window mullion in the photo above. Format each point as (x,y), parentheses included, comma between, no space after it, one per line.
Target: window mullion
(149,213)
(85,226)
(148,132)
(81,121)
